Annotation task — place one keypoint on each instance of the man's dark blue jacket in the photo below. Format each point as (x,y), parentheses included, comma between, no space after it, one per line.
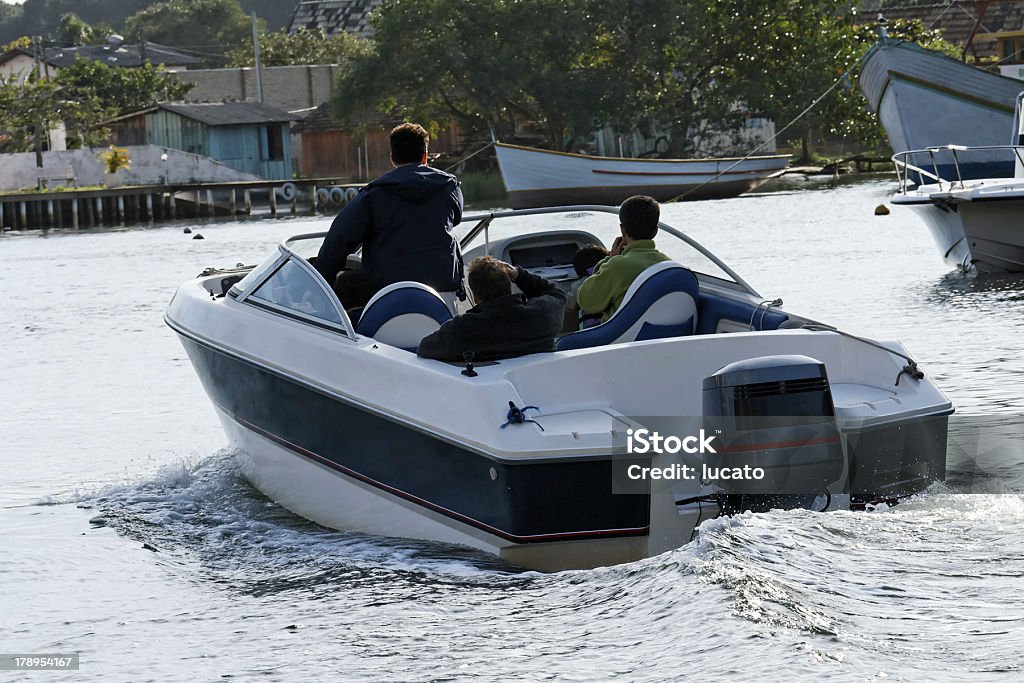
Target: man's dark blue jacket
(404,222)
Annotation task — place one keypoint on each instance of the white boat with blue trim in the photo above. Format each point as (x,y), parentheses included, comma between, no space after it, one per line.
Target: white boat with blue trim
(976,223)
(338,421)
(925,99)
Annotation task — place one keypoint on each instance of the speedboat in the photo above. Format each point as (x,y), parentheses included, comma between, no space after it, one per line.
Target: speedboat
(975,222)
(574,458)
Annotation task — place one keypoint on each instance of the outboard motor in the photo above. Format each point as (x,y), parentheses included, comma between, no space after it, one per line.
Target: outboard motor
(778,444)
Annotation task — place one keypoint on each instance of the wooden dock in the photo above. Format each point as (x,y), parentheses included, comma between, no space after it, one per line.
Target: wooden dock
(71,208)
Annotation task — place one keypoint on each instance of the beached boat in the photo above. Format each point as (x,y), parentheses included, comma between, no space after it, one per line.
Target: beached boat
(537,177)
(926,99)
(532,458)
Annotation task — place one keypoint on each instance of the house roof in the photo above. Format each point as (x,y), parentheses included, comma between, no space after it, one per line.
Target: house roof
(320,120)
(334,16)
(957,18)
(128,56)
(228,113)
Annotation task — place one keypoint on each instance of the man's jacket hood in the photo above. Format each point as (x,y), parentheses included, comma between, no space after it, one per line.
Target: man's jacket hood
(415,184)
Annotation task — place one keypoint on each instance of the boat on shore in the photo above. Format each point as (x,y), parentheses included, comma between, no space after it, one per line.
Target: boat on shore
(537,177)
(926,99)
(532,458)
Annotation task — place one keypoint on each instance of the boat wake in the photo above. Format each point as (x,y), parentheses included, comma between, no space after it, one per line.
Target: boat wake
(205,511)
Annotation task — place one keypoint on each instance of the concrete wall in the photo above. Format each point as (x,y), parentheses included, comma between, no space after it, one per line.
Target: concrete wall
(18,171)
(291,88)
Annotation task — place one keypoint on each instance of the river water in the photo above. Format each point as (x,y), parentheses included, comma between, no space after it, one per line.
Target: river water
(127,534)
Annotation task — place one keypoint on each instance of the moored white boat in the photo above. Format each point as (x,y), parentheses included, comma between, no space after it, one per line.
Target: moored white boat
(975,222)
(337,421)
(537,177)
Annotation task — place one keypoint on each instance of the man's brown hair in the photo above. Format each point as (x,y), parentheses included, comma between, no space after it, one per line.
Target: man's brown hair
(408,143)
(488,279)
(639,216)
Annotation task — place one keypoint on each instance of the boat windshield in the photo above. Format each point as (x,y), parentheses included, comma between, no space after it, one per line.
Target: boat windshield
(603,223)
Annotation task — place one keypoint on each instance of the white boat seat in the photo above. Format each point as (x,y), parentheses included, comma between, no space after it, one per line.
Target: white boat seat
(661,302)
(402,314)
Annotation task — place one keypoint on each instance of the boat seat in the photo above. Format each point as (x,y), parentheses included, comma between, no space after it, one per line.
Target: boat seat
(402,314)
(718,314)
(661,302)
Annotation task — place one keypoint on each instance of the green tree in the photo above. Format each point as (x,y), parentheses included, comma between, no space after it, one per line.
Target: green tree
(490,63)
(281,48)
(42,104)
(74,31)
(207,24)
(117,90)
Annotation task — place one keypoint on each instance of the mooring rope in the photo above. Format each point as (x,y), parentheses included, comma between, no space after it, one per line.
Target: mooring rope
(909,369)
(468,157)
(844,77)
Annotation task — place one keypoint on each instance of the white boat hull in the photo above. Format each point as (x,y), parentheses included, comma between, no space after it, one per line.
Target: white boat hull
(536,178)
(981,224)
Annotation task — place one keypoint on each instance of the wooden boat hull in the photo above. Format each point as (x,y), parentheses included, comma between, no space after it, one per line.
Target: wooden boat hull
(925,99)
(536,178)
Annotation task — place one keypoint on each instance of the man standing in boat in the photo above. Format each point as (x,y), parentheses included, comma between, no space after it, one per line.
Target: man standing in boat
(631,254)
(403,221)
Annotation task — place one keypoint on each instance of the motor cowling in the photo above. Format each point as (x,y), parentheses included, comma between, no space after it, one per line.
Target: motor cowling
(774,416)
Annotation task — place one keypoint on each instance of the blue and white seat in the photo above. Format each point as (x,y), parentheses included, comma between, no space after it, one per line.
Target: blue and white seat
(402,314)
(661,302)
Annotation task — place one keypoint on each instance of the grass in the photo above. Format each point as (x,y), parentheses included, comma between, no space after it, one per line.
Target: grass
(477,187)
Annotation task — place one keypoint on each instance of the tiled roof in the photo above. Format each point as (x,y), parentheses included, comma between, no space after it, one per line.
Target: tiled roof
(321,120)
(956,20)
(333,16)
(129,56)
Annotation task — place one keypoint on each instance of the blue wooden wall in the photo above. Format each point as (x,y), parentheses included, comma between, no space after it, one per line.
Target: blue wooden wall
(261,149)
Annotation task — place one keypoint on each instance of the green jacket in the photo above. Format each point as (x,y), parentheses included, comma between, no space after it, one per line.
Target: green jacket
(603,291)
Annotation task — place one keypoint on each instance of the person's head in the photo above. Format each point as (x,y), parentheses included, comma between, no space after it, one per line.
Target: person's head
(409,144)
(638,217)
(488,279)
(588,257)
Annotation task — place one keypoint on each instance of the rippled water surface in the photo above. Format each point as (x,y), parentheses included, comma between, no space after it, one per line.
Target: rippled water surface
(128,535)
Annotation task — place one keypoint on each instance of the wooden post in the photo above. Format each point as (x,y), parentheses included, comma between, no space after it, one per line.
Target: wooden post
(171,199)
(248,203)
(199,203)
(99,211)
(49,212)
(232,205)
(74,213)
(120,209)
(23,213)
(149,206)
(273,201)
(209,200)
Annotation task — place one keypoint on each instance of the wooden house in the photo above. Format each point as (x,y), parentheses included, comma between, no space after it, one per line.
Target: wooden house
(247,136)
(329,151)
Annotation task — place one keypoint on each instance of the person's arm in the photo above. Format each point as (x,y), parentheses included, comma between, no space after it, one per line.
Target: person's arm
(346,234)
(534,286)
(597,292)
(444,344)
(457,204)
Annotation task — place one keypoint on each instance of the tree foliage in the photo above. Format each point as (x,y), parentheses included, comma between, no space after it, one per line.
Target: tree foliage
(685,71)
(191,23)
(81,97)
(41,17)
(73,31)
(280,48)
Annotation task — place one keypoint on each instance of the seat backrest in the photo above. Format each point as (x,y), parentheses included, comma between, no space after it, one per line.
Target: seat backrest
(661,302)
(402,314)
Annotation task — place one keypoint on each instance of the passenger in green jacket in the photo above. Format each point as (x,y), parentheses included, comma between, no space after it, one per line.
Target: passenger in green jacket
(631,254)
